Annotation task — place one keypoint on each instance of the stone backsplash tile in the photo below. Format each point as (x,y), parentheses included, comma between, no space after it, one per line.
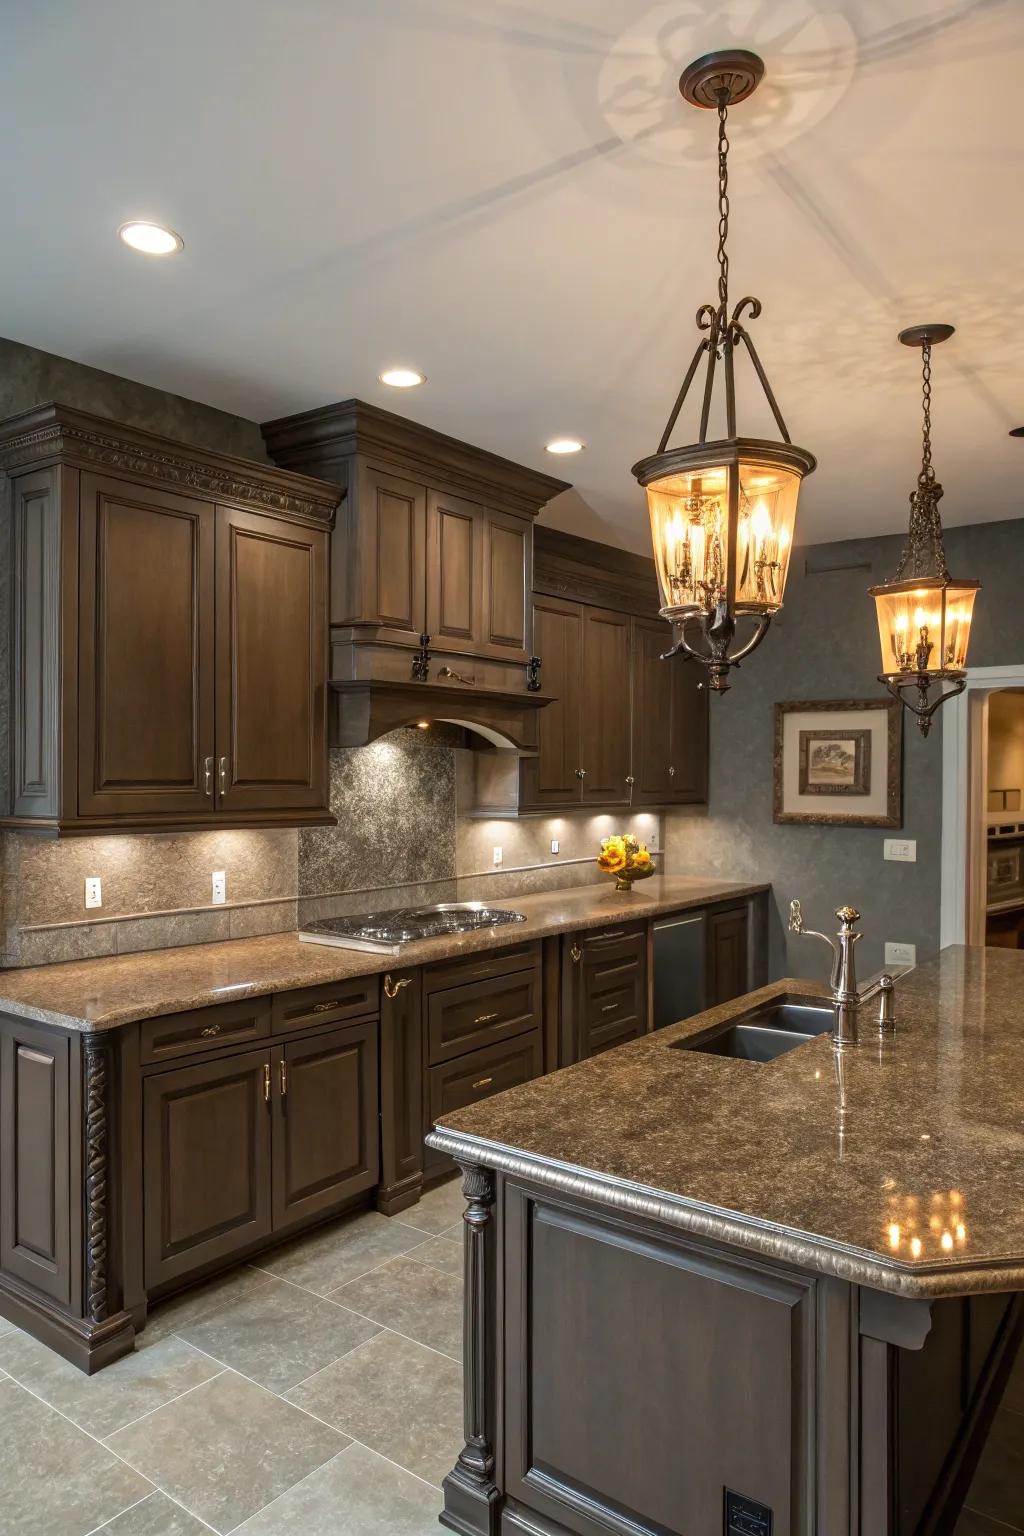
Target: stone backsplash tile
(395,804)
(75,941)
(156,872)
(169,930)
(386,899)
(261,917)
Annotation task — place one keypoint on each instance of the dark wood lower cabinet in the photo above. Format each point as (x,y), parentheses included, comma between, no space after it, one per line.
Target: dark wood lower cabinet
(728,964)
(477,1076)
(604,994)
(36,1215)
(625,1378)
(206,1163)
(325,1141)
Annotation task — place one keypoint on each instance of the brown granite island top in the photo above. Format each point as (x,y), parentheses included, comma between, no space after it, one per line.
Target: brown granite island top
(897,1166)
(107,992)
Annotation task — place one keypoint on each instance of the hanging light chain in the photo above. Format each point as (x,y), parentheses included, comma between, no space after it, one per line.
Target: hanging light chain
(927,475)
(925,549)
(723,210)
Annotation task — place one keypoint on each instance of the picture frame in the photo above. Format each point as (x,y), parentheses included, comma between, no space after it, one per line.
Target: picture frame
(839,762)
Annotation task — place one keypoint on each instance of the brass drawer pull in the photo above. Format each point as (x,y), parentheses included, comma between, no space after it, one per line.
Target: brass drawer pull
(614,933)
(207,775)
(266,1082)
(576,953)
(485,1018)
(326,1007)
(610,1008)
(222,774)
(284,1078)
(209,1032)
(392,988)
(483,1082)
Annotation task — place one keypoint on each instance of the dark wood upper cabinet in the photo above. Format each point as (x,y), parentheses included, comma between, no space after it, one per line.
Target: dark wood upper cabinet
(670,721)
(550,780)
(435,537)
(271,647)
(605,692)
(145,653)
(169,618)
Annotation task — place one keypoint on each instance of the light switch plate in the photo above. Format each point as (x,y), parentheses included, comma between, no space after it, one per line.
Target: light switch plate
(902,849)
(220,887)
(93,891)
(901,954)
(554,845)
(498,855)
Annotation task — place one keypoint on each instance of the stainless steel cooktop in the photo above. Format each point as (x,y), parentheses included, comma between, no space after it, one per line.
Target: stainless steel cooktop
(386,932)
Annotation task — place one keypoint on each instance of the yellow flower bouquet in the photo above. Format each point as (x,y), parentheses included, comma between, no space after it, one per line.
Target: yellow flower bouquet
(627,859)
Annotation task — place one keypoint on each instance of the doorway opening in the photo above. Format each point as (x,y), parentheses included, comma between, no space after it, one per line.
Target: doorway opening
(983,811)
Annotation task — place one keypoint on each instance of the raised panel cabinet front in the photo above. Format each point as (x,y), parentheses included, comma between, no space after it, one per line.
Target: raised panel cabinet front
(507,566)
(206,1163)
(611,987)
(271,664)
(145,653)
(326,1129)
(728,965)
(455,573)
(35,1158)
(389,553)
(670,721)
(552,778)
(605,716)
(645,1376)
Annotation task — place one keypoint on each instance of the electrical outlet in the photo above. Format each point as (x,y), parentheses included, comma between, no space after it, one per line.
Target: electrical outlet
(902,849)
(901,954)
(554,845)
(498,855)
(220,887)
(93,891)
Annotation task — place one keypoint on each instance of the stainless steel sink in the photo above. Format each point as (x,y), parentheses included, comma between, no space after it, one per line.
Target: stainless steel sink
(763,1033)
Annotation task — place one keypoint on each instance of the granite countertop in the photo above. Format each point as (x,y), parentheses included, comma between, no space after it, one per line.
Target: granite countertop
(104,993)
(904,1176)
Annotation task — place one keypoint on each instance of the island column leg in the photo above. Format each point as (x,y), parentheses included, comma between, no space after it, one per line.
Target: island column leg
(470,1492)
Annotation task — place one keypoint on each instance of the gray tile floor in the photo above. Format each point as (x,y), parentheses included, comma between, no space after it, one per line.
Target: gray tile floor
(317,1391)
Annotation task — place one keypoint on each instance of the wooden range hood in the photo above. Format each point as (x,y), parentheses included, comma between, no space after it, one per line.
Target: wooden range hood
(431,571)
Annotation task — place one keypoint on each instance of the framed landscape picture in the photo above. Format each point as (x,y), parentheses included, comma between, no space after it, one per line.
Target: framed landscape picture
(839,762)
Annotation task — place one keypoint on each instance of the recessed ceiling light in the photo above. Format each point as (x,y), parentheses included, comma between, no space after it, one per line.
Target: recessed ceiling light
(151,239)
(402,378)
(564,445)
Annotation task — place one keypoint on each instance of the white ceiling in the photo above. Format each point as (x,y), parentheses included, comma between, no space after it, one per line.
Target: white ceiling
(514,198)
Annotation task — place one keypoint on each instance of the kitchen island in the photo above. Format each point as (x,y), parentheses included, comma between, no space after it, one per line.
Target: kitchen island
(772,1298)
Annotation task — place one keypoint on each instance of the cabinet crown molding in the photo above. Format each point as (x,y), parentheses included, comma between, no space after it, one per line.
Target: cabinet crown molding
(330,436)
(59,432)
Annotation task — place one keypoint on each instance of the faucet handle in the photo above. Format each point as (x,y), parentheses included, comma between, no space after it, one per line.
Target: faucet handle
(847,916)
(796,917)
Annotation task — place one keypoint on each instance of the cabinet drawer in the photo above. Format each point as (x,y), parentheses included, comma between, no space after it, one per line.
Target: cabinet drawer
(482,1074)
(462,1019)
(325,1004)
(205,1029)
(503,962)
(612,987)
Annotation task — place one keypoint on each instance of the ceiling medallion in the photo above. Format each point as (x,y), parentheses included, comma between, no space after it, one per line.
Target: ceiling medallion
(924,617)
(722,512)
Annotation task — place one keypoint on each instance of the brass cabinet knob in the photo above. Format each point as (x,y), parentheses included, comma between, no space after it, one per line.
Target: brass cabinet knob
(392,988)
(671,773)
(581,773)
(576,953)
(630,779)
(222,771)
(207,775)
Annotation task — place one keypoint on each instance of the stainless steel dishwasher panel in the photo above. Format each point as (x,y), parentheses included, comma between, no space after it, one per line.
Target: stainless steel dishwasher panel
(680,967)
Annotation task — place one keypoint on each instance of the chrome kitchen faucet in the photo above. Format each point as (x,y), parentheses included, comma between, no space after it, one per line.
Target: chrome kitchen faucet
(846,1000)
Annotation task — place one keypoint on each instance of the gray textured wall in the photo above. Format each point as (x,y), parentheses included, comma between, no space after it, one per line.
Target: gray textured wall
(824,645)
(29,377)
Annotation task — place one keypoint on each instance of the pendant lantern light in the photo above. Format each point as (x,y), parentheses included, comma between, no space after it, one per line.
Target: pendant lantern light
(924,614)
(722,512)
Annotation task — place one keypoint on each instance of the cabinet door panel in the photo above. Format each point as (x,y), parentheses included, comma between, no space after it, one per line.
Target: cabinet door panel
(507,560)
(550,778)
(325,1139)
(461,1019)
(727,955)
(455,563)
(35,1200)
(271,663)
(146,579)
(206,1173)
(605,714)
(389,552)
(670,721)
(610,988)
(477,1076)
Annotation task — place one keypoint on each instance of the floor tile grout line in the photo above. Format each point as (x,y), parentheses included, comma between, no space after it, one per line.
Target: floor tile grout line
(1012,1530)
(331,1363)
(407,1336)
(127,1510)
(321,1295)
(94,1438)
(286,1491)
(176,1399)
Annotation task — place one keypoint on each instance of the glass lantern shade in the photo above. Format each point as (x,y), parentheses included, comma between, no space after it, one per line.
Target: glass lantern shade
(924,626)
(723,532)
